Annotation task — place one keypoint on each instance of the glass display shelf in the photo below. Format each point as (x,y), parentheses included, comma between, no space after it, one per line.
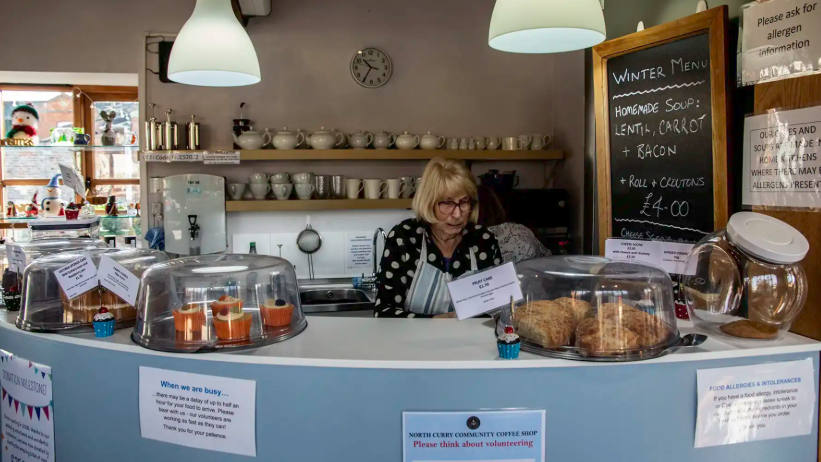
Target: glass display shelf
(72,147)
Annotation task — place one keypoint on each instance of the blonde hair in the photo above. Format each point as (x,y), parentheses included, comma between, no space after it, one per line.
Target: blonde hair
(444,177)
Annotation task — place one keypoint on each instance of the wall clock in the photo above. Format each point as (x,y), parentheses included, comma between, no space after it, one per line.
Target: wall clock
(371,67)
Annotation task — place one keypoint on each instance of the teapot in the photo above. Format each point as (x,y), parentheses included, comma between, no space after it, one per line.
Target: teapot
(252,139)
(360,140)
(407,141)
(288,140)
(383,140)
(324,139)
(430,141)
(344,144)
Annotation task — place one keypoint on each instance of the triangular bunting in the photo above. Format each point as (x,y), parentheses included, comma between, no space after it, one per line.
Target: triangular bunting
(37,410)
(45,411)
(23,405)
(49,376)
(30,364)
(9,400)
(16,405)
(30,412)
(35,370)
(44,374)
(4,395)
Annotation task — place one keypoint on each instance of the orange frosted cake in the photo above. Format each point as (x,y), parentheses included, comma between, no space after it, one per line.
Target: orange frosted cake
(276,313)
(189,318)
(226,301)
(232,323)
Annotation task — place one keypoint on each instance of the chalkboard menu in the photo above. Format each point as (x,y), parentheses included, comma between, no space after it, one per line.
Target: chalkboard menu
(661,131)
(661,145)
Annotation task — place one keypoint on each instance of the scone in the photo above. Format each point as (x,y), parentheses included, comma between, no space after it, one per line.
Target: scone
(745,328)
(604,337)
(581,309)
(546,323)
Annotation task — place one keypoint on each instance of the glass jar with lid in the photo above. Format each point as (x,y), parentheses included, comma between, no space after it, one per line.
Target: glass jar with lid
(594,308)
(746,282)
(47,308)
(211,302)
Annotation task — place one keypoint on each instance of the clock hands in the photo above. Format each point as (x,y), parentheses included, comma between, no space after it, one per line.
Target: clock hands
(366,75)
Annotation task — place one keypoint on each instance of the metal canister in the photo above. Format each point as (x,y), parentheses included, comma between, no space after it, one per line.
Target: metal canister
(169,129)
(192,134)
(153,132)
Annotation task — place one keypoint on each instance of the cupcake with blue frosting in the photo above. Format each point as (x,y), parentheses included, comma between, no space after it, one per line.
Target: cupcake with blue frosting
(104,323)
(509,344)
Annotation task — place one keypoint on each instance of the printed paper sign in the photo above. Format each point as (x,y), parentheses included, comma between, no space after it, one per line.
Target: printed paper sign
(669,256)
(485,436)
(73,180)
(753,403)
(485,291)
(77,277)
(781,159)
(358,252)
(171,156)
(221,157)
(198,411)
(27,410)
(116,278)
(781,39)
(16,257)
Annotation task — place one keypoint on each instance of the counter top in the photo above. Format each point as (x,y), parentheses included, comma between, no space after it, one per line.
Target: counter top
(415,344)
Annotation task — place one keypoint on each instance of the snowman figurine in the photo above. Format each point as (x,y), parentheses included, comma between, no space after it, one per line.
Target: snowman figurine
(24,122)
(51,205)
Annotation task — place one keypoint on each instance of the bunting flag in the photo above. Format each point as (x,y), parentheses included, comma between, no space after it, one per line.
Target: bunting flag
(32,410)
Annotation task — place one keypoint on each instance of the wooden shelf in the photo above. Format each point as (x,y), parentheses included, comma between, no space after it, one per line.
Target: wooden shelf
(316,204)
(392,154)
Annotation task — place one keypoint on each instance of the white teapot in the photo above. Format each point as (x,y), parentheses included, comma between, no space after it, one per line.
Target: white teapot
(407,141)
(288,140)
(383,140)
(360,140)
(430,141)
(324,139)
(252,140)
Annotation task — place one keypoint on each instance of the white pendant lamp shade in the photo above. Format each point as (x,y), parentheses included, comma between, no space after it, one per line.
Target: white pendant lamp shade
(213,49)
(546,26)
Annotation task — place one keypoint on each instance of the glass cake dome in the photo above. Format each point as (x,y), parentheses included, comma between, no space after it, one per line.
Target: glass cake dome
(20,254)
(211,302)
(593,308)
(46,308)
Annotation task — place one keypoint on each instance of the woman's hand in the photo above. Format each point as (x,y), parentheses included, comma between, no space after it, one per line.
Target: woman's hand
(450,315)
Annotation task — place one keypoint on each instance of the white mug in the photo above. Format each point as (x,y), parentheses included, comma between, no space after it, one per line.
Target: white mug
(453,144)
(526,140)
(395,188)
(375,188)
(260,190)
(303,178)
(304,191)
(281,178)
(539,142)
(464,144)
(410,186)
(259,178)
(353,187)
(493,143)
(511,143)
(480,144)
(235,190)
(282,191)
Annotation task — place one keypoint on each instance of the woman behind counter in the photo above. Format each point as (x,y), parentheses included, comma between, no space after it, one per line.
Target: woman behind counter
(517,242)
(441,244)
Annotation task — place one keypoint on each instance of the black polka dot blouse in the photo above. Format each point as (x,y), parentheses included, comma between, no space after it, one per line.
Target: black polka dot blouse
(401,258)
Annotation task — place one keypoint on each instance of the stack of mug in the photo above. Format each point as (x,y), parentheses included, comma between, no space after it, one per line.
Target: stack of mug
(534,142)
(393,188)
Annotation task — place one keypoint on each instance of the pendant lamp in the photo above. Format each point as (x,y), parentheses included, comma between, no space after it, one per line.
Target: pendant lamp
(213,49)
(546,26)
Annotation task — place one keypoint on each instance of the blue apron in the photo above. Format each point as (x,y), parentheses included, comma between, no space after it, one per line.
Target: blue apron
(428,293)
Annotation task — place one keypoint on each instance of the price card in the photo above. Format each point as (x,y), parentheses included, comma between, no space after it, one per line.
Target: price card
(77,277)
(485,291)
(669,256)
(221,157)
(73,180)
(116,278)
(17,258)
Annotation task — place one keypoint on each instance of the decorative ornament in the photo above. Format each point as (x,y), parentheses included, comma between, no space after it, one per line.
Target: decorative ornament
(11,210)
(52,205)
(72,211)
(31,209)
(108,137)
(24,123)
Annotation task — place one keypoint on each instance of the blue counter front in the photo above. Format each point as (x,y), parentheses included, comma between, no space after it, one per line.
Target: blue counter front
(337,392)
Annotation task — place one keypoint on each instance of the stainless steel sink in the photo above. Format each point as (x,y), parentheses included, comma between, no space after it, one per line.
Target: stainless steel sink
(332,298)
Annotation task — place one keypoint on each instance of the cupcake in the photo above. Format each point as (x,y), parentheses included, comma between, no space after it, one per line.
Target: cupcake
(11,298)
(104,323)
(232,324)
(72,211)
(226,301)
(189,318)
(276,313)
(509,344)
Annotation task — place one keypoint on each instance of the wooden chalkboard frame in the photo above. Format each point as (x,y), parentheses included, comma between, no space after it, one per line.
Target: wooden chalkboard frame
(713,22)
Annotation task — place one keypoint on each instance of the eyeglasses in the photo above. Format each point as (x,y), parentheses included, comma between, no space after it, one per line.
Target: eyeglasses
(447,207)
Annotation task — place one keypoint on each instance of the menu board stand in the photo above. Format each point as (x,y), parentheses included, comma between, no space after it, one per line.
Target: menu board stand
(662,136)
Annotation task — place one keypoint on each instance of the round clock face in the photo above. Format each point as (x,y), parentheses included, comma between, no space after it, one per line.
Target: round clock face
(371,67)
